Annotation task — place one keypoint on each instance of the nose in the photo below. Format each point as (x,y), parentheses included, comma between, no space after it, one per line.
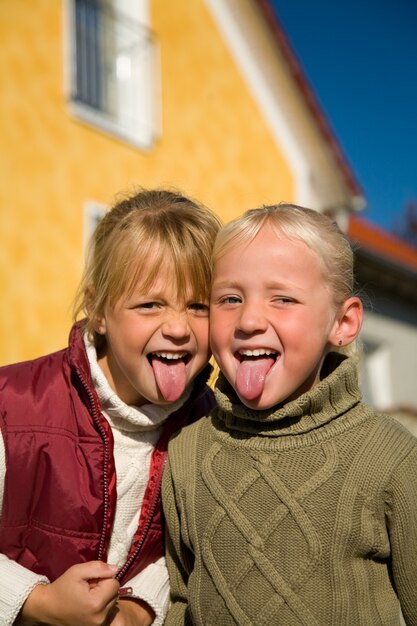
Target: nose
(176,326)
(251,319)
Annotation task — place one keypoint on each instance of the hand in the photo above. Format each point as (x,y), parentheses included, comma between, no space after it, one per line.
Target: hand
(84,595)
(131,612)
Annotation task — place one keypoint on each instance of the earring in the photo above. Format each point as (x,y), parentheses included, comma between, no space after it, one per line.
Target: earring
(339,343)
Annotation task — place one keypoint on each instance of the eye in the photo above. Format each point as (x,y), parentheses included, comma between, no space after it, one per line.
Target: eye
(283,300)
(199,308)
(229,300)
(147,306)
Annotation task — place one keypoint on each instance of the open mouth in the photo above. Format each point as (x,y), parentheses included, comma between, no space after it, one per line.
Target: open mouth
(185,357)
(260,353)
(170,371)
(253,368)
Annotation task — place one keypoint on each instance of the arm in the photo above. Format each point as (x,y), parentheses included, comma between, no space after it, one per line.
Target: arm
(402,521)
(147,602)
(152,587)
(32,598)
(17,582)
(85,594)
(179,558)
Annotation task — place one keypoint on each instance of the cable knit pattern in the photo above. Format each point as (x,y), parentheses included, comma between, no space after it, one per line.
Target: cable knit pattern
(301,516)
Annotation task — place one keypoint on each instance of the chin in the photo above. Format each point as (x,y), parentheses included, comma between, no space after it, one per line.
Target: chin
(257,404)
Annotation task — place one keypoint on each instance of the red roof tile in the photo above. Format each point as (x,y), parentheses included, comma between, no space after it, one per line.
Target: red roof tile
(383,243)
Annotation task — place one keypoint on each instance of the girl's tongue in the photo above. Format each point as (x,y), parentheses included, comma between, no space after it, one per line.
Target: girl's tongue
(170,376)
(251,374)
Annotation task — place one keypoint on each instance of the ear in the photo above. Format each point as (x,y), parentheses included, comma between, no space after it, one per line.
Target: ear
(99,320)
(100,325)
(347,324)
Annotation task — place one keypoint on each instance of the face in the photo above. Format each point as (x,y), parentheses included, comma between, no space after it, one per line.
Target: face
(272,319)
(155,343)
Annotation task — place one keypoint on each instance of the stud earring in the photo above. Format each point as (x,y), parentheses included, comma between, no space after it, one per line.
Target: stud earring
(339,343)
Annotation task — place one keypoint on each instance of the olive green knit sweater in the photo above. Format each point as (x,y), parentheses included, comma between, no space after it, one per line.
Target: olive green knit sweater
(302,516)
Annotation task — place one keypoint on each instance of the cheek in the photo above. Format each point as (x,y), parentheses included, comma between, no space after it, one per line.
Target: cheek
(201,332)
(220,321)
(218,340)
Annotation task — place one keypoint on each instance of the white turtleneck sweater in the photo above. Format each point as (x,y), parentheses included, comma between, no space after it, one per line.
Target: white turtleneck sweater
(135,431)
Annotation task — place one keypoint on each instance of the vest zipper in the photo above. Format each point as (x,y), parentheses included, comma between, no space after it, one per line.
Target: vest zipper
(95,413)
(126,566)
(129,561)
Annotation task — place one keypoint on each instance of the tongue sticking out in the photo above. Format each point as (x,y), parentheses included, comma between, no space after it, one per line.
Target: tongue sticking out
(251,374)
(170,377)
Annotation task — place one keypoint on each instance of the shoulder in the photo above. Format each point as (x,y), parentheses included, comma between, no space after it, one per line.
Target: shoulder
(45,370)
(387,447)
(392,434)
(21,373)
(29,390)
(188,446)
(188,436)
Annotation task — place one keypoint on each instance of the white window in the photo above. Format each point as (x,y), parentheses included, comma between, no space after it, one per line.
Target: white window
(114,68)
(93,213)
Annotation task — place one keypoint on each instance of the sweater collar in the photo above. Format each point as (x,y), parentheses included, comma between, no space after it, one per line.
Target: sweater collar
(336,393)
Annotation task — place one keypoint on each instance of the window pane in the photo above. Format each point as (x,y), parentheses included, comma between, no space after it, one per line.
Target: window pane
(88,70)
(114,70)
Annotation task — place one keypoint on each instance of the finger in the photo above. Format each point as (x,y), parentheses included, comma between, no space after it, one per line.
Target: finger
(94,570)
(107,588)
(104,596)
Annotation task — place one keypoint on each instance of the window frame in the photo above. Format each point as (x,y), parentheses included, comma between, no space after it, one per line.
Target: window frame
(97,118)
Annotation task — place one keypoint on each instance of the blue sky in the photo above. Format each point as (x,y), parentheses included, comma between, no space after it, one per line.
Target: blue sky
(360,58)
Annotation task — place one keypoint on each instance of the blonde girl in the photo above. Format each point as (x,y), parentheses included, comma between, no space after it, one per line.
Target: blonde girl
(85,430)
(295,503)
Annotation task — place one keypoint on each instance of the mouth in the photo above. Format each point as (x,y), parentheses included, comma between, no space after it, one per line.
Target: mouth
(259,353)
(170,371)
(252,370)
(169,357)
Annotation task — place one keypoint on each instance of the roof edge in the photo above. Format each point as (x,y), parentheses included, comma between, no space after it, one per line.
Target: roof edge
(381,242)
(299,77)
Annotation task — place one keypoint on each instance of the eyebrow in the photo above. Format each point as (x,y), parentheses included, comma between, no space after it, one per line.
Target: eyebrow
(235,284)
(226,283)
(270,286)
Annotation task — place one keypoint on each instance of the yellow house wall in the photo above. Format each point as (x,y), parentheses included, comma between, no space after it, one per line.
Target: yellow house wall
(215,146)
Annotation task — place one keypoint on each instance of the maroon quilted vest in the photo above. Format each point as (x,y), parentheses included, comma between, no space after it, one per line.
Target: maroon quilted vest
(60,486)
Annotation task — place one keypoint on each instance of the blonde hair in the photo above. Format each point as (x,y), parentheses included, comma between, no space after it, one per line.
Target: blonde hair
(316,230)
(140,233)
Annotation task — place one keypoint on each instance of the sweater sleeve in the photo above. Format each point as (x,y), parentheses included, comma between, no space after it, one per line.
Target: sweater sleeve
(152,586)
(16,581)
(402,520)
(177,555)
(16,584)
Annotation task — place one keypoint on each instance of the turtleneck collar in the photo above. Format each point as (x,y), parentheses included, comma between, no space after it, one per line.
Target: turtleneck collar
(123,416)
(334,395)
